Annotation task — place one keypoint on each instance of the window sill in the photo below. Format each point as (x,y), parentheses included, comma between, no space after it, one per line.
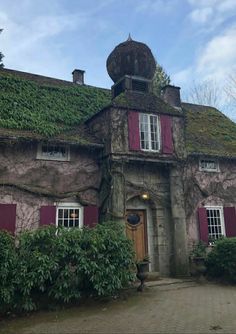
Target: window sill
(150,151)
(56,160)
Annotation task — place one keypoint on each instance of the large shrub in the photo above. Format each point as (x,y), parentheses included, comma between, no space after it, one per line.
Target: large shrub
(8,263)
(221,261)
(62,265)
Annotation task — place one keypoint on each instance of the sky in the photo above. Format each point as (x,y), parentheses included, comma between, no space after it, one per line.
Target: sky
(194,40)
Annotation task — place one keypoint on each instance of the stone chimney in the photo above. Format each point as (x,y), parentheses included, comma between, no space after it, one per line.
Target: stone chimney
(78,76)
(171,95)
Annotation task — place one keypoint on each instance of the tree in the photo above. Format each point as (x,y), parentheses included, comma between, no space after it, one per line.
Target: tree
(209,93)
(230,88)
(1,55)
(160,79)
(205,93)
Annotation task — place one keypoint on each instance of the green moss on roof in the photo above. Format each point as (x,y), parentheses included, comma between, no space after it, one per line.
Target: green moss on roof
(47,109)
(208,131)
(146,102)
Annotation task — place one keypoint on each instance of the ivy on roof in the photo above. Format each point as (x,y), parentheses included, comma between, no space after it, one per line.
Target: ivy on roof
(47,109)
(208,131)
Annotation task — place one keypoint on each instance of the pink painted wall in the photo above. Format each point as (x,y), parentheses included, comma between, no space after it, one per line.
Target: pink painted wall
(207,189)
(62,181)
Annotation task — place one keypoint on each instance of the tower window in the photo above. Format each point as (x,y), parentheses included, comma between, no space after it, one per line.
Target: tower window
(139,85)
(149,132)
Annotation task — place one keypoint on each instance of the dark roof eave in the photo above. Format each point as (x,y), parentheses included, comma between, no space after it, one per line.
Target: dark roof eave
(200,154)
(148,110)
(111,105)
(51,140)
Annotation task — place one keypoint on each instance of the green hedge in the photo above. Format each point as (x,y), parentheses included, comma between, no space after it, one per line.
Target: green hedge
(221,261)
(59,265)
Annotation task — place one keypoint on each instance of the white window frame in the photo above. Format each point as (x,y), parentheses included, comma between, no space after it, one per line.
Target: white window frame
(222,221)
(42,156)
(64,205)
(202,169)
(149,133)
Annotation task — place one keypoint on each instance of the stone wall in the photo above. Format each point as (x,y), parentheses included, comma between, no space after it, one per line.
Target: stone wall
(127,174)
(149,178)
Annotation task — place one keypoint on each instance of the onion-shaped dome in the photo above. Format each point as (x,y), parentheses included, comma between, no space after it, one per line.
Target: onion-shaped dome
(131,58)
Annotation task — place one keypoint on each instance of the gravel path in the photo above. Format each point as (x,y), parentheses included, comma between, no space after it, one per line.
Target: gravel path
(164,307)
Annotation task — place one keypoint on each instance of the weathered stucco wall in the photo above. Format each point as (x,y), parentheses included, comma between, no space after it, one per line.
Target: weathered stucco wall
(154,180)
(126,174)
(119,136)
(207,188)
(31,183)
(111,126)
(125,182)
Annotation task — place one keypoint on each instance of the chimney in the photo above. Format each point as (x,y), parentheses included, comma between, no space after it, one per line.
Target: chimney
(171,95)
(78,76)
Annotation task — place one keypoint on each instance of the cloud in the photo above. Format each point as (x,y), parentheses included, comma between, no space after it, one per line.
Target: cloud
(211,12)
(214,63)
(201,15)
(217,58)
(26,44)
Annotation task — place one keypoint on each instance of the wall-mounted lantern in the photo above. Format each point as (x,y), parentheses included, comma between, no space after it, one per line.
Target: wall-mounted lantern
(145,196)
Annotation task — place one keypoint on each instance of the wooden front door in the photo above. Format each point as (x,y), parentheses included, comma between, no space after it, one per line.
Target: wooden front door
(136,230)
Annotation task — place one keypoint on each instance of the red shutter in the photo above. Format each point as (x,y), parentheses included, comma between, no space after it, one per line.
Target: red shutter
(230,221)
(47,215)
(166,134)
(90,215)
(203,224)
(133,128)
(8,217)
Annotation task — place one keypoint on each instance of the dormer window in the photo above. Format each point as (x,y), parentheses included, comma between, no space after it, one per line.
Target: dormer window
(53,152)
(149,132)
(209,165)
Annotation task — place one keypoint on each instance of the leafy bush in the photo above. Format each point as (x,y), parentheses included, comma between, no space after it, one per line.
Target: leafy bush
(62,265)
(198,250)
(221,261)
(8,262)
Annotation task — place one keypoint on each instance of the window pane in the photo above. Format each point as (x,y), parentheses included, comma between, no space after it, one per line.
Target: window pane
(60,213)
(214,223)
(71,223)
(68,217)
(149,135)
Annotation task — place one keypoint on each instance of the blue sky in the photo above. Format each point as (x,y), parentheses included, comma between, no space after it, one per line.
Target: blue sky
(194,40)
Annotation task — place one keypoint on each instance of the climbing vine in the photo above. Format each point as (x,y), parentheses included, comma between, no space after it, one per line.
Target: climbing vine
(45,109)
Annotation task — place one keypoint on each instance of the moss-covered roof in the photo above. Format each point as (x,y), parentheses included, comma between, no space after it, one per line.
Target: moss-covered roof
(143,102)
(47,107)
(37,107)
(209,132)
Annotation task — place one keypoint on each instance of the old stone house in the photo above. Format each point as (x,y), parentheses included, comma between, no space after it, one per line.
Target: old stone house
(73,155)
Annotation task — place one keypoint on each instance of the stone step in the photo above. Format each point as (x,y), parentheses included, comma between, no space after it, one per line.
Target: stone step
(153,276)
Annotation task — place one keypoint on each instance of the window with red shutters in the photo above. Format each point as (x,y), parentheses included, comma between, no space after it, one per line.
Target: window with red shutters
(166,134)
(203,224)
(230,221)
(90,215)
(133,129)
(8,217)
(215,222)
(148,132)
(47,215)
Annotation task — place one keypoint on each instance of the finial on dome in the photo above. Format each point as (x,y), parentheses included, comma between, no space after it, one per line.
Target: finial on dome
(129,38)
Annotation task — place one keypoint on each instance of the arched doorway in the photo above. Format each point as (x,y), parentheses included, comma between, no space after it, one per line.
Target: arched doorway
(136,230)
(140,227)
